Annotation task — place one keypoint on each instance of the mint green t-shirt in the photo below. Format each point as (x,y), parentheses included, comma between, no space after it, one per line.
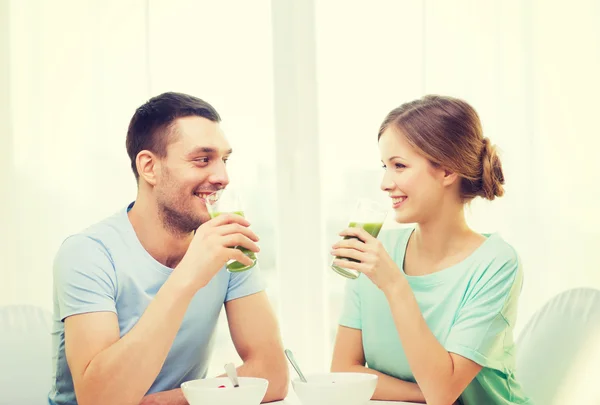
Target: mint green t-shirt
(471,308)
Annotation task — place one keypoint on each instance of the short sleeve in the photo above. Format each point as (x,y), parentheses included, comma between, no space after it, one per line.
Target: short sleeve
(483,327)
(351,310)
(84,277)
(244,283)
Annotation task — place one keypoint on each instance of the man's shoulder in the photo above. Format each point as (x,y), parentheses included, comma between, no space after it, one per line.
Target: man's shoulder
(111,225)
(103,235)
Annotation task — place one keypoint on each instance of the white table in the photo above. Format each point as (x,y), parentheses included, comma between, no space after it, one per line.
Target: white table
(292,399)
(295,401)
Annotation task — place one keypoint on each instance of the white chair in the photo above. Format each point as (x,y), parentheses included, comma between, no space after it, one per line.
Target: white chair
(25,355)
(558,357)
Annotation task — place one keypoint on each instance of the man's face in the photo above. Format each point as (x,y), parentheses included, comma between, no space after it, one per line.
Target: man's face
(193,167)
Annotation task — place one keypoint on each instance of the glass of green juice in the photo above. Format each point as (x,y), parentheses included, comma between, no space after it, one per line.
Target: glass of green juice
(369,215)
(229,201)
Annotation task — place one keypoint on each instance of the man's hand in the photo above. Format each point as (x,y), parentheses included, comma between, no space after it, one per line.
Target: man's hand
(214,245)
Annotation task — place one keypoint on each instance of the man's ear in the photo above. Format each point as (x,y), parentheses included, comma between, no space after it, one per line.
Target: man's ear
(148,166)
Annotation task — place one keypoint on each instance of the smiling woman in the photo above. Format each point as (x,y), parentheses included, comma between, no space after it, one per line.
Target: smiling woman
(443,297)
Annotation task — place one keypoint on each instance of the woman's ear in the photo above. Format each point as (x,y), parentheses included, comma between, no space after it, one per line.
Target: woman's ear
(449,178)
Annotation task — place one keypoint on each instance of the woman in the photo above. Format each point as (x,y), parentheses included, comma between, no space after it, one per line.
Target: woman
(434,316)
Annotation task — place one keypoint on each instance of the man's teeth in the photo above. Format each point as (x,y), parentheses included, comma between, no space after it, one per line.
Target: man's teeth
(202,195)
(398,200)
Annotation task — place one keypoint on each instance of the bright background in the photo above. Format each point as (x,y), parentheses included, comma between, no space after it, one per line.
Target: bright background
(302,88)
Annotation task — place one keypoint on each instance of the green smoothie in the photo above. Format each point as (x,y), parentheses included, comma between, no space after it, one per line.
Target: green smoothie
(373,229)
(235,266)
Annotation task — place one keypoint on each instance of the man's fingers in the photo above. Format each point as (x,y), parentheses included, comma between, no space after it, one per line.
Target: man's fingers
(240,240)
(230,229)
(238,255)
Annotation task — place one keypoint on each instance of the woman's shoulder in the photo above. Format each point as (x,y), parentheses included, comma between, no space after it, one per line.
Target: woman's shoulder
(500,252)
(498,259)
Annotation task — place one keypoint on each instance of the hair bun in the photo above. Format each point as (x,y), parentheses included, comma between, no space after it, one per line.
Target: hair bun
(492,177)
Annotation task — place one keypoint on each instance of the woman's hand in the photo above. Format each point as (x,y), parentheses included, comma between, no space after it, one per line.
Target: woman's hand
(374,261)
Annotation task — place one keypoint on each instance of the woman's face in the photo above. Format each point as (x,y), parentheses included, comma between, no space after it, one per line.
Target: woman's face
(416,186)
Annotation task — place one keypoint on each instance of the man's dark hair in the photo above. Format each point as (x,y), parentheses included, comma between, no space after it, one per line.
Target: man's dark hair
(150,127)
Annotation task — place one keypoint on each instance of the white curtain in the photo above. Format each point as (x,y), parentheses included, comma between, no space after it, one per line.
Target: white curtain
(77,71)
(319,77)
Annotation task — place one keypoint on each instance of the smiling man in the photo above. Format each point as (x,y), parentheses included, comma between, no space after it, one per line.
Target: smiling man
(137,296)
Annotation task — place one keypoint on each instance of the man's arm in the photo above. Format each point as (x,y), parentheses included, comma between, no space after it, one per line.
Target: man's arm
(255,335)
(107,369)
(348,356)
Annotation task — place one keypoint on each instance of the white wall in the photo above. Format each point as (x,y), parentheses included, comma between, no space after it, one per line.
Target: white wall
(7,241)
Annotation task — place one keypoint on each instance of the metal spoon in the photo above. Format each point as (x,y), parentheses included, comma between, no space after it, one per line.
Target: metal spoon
(290,357)
(232,374)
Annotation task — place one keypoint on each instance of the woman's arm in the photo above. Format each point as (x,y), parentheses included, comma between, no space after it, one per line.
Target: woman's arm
(442,376)
(348,355)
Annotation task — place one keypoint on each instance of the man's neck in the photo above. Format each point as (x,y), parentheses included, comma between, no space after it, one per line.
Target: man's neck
(164,245)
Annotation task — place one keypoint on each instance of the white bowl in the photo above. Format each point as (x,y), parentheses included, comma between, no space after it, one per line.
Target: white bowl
(335,388)
(251,391)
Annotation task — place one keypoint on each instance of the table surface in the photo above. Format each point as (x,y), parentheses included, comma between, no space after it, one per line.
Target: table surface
(292,399)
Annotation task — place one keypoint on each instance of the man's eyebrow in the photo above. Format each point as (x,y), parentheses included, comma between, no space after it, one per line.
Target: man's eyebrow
(205,149)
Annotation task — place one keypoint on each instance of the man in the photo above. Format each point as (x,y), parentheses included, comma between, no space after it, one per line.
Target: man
(137,296)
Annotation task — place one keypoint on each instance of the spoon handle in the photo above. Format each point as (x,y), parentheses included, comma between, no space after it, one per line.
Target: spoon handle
(290,356)
(232,374)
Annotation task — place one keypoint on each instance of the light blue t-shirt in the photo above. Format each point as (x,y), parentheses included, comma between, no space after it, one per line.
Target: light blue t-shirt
(471,308)
(105,268)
